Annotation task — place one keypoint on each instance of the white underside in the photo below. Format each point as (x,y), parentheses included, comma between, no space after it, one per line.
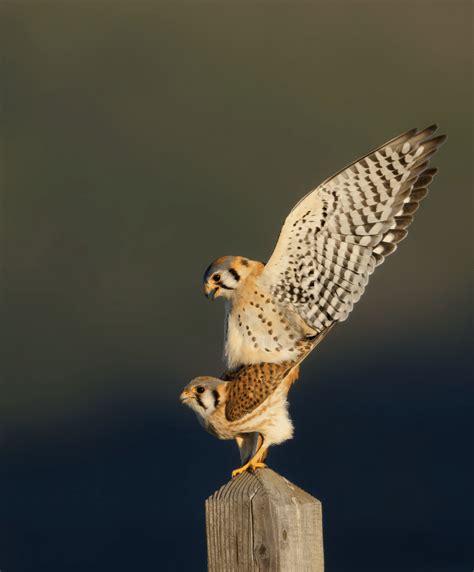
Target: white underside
(256,332)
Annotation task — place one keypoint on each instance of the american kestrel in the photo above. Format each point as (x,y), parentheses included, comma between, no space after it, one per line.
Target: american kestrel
(249,406)
(328,247)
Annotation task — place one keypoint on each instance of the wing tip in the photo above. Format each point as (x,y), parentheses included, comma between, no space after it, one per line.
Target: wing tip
(439,139)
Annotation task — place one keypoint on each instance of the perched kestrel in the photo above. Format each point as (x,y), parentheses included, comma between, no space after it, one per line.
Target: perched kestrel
(328,247)
(249,406)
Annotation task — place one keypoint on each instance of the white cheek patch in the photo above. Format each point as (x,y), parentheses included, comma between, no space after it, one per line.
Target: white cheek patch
(207,399)
(229,281)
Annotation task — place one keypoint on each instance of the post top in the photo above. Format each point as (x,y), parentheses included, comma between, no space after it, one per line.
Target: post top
(262,522)
(264,482)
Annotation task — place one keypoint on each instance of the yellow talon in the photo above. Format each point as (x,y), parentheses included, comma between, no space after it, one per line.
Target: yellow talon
(248,466)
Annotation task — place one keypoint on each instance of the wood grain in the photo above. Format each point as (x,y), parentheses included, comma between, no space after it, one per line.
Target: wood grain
(263,522)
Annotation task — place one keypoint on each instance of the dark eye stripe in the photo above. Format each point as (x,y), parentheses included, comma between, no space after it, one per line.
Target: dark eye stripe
(199,400)
(215,393)
(235,274)
(225,287)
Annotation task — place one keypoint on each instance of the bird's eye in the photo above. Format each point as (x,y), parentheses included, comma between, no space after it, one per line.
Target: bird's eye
(216,277)
(200,389)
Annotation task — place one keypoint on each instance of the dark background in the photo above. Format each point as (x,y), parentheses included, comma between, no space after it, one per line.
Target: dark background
(139,142)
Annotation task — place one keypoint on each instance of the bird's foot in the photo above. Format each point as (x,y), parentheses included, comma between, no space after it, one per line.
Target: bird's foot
(250,466)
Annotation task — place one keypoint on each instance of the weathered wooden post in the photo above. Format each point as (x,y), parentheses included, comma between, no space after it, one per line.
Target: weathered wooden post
(262,522)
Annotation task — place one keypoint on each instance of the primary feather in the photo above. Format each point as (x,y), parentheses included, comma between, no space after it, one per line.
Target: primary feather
(335,237)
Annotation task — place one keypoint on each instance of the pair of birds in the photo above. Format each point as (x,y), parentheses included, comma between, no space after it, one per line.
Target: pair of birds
(276,313)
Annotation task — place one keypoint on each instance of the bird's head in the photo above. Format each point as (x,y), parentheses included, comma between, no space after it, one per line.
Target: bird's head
(204,395)
(224,276)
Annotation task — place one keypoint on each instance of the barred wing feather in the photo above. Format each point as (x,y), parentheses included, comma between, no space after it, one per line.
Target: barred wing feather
(336,235)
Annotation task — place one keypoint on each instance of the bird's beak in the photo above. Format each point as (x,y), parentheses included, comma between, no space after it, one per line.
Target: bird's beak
(210,291)
(185,396)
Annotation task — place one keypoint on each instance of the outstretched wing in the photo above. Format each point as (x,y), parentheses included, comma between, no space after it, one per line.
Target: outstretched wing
(336,235)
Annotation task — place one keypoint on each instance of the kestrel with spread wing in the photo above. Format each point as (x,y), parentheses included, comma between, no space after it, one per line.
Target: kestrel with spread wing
(329,245)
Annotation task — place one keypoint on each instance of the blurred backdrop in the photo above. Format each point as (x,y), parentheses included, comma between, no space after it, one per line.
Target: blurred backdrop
(142,140)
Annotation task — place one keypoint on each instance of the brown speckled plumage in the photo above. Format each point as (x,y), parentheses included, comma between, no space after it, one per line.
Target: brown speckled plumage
(250,386)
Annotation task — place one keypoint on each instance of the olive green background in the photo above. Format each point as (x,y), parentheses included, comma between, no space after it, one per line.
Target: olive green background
(139,142)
